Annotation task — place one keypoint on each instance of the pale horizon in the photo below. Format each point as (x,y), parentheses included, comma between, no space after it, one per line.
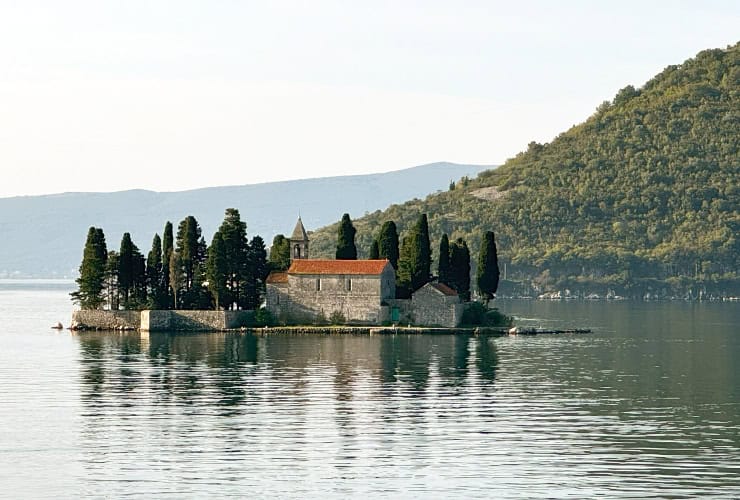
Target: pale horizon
(102,97)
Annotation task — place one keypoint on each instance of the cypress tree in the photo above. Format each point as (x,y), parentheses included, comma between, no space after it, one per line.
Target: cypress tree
(374,251)
(346,249)
(424,249)
(167,249)
(216,271)
(139,282)
(155,275)
(388,243)
(443,266)
(460,268)
(175,274)
(131,274)
(280,253)
(487,274)
(191,248)
(258,269)
(236,249)
(111,280)
(405,268)
(416,259)
(126,268)
(91,281)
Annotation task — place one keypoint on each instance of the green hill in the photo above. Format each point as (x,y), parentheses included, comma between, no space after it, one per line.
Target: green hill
(643,196)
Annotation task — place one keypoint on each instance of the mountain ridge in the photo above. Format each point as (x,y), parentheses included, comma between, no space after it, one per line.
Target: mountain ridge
(59,221)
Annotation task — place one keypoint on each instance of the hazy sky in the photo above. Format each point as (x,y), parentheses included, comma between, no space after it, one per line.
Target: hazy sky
(171,95)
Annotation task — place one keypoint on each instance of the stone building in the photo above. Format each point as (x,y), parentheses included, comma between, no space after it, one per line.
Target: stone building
(313,290)
(436,304)
(359,291)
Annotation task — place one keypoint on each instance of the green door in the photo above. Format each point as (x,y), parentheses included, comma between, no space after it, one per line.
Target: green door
(395,314)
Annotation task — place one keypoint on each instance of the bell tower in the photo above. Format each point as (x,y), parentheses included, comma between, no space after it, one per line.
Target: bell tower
(299,242)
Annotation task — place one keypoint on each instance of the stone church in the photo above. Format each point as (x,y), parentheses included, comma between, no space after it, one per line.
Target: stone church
(357,291)
(315,289)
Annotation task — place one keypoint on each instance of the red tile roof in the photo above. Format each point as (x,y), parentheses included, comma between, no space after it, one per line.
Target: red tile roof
(276,277)
(317,266)
(444,288)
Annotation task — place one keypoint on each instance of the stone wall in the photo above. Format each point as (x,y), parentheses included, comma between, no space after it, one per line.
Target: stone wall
(157,321)
(106,320)
(311,298)
(405,311)
(194,321)
(431,308)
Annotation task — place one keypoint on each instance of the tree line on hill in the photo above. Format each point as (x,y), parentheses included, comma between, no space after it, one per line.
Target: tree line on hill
(180,271)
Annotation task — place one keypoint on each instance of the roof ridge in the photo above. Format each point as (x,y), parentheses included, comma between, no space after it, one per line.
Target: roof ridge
(337,266)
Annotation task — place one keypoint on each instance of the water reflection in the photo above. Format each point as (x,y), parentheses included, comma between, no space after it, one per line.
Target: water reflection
(189,366)
(616,413)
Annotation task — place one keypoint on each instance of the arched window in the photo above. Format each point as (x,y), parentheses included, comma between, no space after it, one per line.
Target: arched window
(297,252)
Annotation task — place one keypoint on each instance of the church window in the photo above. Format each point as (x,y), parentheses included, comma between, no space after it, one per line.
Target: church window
(318,284)
(297,252)
(349,284)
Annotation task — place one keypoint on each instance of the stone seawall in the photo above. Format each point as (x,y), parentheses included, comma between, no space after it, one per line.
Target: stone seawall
(194,321)
(106,320)
(158,321)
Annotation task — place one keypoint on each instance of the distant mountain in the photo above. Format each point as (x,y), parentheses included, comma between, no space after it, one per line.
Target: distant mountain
(643,197)
(43,235)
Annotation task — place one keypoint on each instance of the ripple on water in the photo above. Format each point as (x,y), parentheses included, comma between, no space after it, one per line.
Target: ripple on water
(614,414)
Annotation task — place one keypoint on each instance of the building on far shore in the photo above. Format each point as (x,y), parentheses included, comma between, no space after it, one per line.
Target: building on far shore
(353,291)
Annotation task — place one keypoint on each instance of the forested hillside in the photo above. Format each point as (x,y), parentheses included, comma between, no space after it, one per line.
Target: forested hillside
(643,197)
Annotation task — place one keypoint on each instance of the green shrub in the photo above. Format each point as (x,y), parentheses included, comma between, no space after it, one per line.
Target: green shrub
(263,317)
(477,314)
(337,318)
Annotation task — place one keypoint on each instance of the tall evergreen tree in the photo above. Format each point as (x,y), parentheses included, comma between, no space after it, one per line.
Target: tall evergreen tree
(126,268)
(460,268)
(199,296)
(443,265)
(416,259)
(424,245)
(487,274)
(216,271)
(257,272)
(191,248)
(91,281)
(405,268)
(374,251)
(111,280)
(167,249)
(236,249)
(176,278)
(388,243)
(346,249)
(280,253)
(139,289)
(131,274)
(155,275)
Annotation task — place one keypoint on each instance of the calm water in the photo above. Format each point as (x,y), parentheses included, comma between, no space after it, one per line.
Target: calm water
(647,406)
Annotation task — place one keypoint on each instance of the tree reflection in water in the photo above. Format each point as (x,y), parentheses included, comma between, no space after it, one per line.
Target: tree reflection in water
(187,366)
